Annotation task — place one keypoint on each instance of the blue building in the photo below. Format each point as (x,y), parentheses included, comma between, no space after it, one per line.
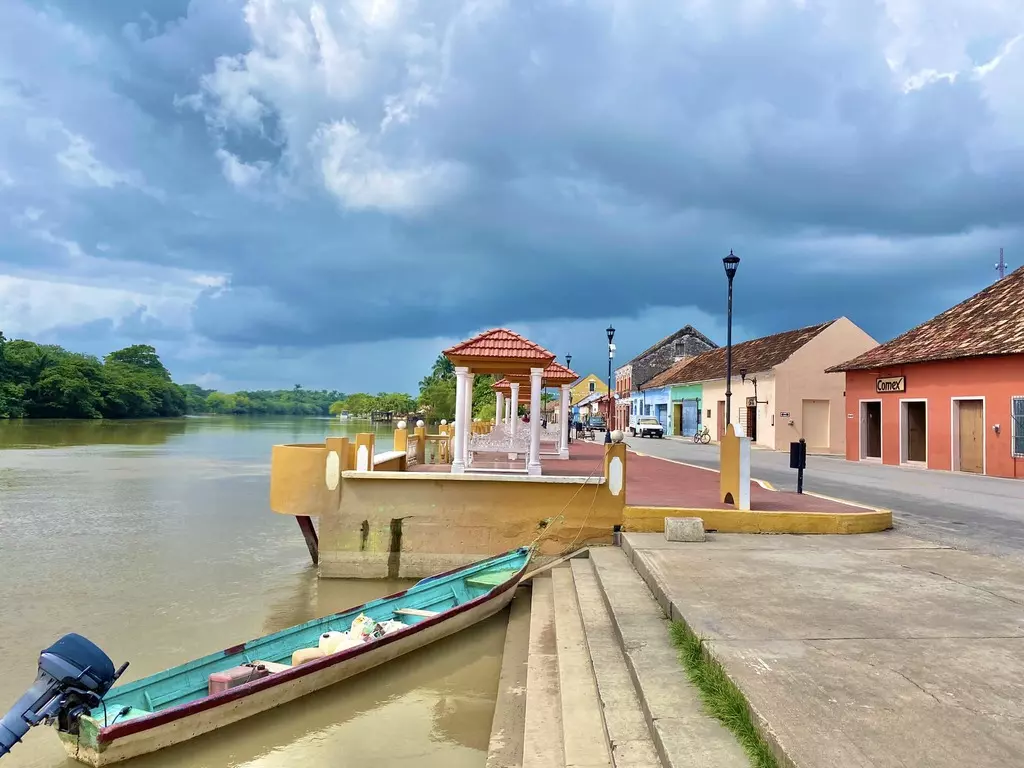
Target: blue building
(653,402)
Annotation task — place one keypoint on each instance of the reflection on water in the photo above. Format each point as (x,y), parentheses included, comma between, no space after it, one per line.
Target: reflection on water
(162,550)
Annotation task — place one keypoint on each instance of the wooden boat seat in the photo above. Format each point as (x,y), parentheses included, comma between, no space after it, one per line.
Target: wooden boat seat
(489,579)
(415,612)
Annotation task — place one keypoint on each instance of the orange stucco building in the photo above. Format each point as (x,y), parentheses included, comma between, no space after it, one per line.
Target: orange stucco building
(948,394)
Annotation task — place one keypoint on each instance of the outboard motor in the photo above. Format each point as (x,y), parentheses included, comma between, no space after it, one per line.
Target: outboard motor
(74,675)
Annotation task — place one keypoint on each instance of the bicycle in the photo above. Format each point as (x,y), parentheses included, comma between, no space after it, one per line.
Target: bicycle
(702,435)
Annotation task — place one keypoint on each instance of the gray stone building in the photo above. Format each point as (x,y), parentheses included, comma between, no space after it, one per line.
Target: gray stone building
(684,343)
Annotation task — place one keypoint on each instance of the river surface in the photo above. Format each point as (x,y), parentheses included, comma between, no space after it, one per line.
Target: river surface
(155,540)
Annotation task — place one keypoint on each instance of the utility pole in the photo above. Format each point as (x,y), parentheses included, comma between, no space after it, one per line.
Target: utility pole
(1001,266)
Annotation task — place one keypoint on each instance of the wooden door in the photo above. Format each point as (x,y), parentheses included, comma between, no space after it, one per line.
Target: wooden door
(972,436)
(721,419)
(814,423)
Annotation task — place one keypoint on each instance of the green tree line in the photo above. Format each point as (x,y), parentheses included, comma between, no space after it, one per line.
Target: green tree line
(363,404)
(48,381)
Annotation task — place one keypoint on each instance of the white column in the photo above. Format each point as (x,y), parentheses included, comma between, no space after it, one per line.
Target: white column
(467,423)
(499,408)
(563,423)
(458,436)
(536,378)
(508,409)
(513,416)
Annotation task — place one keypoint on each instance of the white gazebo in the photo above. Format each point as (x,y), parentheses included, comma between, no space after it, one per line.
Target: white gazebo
(503,353)
(555,375)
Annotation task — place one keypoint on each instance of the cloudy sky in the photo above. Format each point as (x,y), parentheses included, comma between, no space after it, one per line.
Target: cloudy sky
(327,192)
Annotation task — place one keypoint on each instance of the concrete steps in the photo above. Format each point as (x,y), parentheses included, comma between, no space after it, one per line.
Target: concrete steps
(628,736)
(682,734)
(542,732)
(505,749)
(584,740)
(604,686)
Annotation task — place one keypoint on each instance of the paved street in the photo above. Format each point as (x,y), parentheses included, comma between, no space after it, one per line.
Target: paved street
(976,513)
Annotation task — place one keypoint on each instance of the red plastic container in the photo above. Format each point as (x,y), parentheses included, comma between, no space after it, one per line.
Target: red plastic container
(230,678)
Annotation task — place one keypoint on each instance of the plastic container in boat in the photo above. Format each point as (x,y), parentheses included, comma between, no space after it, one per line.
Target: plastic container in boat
(230,678)
(304,655)
(329,641)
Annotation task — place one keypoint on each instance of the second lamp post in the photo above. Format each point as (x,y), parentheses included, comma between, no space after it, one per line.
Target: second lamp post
(731,262)
(610,425)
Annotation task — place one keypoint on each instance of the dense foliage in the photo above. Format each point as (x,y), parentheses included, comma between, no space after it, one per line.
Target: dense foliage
(296,401)
(437,392)
(362,404)
(47,381)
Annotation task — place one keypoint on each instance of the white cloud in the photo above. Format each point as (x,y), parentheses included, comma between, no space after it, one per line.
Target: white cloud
(31,307)
(338,77)
(238,172)
(78,158)
(364,179)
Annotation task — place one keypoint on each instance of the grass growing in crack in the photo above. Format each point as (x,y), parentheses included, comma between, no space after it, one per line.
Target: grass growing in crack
(721,697)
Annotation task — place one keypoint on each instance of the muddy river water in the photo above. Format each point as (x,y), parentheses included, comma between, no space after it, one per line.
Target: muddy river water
(155,540)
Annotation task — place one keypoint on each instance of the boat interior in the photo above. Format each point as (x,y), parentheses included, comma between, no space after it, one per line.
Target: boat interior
(275,653)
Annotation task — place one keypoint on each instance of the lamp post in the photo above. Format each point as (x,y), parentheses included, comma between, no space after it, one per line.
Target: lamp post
(611,354)
(568,412)
(731,262)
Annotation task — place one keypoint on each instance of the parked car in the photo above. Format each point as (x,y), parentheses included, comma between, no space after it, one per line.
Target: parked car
(598,422)
(647,426)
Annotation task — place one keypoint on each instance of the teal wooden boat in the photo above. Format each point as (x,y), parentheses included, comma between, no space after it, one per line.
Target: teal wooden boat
(224,687)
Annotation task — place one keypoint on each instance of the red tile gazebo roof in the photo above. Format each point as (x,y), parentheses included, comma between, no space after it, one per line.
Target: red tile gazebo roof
(499,350)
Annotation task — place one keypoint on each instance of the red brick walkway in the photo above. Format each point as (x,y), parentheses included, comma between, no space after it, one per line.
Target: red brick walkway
(653,482)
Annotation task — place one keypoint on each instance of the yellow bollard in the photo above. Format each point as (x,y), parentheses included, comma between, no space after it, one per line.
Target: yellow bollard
(421,442)
(364,452)
(401,437)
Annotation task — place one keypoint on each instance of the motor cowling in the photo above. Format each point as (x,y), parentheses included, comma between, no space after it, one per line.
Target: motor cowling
(73,677)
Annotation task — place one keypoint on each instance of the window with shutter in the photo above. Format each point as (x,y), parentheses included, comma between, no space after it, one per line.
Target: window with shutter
(1018,426)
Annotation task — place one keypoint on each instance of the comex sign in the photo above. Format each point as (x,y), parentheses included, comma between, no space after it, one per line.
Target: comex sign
(891,384)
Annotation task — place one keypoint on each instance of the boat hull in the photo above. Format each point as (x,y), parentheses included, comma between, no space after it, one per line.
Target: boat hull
(89,748)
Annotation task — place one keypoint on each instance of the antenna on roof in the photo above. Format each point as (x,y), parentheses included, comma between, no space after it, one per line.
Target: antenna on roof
(1001,266)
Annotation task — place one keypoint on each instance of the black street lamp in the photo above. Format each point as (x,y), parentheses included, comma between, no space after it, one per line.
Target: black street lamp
(731,262)
(611,418)
(568,412)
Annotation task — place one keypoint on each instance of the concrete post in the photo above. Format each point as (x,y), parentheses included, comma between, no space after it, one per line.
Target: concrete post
(536,384)
(458,452)
(467,423)
(563,422)
(513,419)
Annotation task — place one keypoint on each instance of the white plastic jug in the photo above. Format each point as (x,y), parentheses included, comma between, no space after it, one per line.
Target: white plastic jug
(329,641)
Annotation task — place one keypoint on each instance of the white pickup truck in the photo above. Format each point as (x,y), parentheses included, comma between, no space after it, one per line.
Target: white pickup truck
(647,426)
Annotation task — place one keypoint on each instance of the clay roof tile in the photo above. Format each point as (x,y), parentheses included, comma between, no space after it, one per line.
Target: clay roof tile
(755,356)
(500,343)
(991,322)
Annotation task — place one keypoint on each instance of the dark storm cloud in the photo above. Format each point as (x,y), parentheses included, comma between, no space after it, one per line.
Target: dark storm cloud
(314,174)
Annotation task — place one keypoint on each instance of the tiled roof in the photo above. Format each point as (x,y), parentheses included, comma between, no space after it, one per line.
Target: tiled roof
(497,344)
(505,385)
(558,372)
(671,375)
(988,323)
(753,356)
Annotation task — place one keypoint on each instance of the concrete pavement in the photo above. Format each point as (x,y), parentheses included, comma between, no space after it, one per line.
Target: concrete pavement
(980,514)
(866,651)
